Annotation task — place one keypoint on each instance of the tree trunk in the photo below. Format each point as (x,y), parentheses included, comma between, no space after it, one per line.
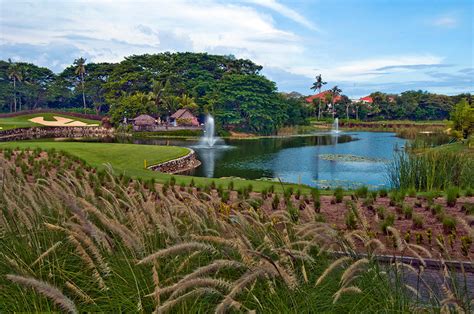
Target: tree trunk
(319,107)
(14,94)
(83,94)
(347,112)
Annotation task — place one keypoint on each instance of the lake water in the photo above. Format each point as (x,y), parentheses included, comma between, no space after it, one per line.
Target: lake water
(346,159)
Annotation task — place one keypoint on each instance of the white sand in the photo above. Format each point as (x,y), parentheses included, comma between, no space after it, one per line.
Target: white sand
(60,121)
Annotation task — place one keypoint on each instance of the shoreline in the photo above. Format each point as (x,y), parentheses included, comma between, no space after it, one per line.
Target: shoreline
(178,165)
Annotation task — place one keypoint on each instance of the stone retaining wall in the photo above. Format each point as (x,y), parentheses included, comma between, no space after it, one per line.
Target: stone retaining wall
(53,132)
(181,164)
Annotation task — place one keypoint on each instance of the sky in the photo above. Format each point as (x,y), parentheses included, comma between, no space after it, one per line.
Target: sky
(360,45)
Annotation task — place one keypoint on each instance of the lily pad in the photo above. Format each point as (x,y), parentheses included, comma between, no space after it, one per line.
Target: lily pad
(350,158)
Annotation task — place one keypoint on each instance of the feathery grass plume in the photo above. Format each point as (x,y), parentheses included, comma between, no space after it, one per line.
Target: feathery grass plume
(46,289)
(351,289)
(200,282)
(296,254)
(46,253)
(91,247)
(177,249)
(398,239)
(156,282)
(81,294)
(240,284)
(193,293)
(375,245)
(129,238)
(413,290)
(415,247)
(331,267)
(88,261)
(349,273)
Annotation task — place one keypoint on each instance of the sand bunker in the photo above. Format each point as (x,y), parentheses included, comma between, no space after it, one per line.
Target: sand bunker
(60,121)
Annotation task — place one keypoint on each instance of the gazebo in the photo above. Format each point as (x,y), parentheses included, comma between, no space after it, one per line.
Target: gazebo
(144,122)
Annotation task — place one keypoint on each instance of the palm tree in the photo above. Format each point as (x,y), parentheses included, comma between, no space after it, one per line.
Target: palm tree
(335,91)
(317,85)
(14,74)
(80,71)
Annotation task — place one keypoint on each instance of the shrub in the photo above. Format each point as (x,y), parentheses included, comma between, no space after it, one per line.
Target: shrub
(230,186)
(419,238)
(250,188)
(417,221)
(429,235)
(383,193)
(468,209)
(275,202)
(338,194)
(319,218)
(451,196)
(412,192)
(466,242)
(374,194)
(469,192)
(407,236)
(387,222)
(362,191)
(298,194)
(351,220)
(449,224)
(381,212)
(288,192)
(271,189)
(407,211)
(294,213)
(172,181)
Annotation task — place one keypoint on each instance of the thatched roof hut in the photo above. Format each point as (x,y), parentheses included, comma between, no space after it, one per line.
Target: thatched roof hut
(144,120)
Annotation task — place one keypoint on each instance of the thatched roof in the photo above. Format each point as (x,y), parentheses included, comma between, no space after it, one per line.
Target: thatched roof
(183,114)
(144,119)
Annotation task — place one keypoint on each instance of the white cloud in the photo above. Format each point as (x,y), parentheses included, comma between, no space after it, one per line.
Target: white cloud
(445,21)
(287,12)
(108,31)
(367,69)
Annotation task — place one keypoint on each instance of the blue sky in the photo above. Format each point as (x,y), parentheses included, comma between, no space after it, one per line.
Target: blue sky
(360,45)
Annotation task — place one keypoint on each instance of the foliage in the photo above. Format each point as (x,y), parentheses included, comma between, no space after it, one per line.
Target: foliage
(197,81)
(462,118)
(432,170)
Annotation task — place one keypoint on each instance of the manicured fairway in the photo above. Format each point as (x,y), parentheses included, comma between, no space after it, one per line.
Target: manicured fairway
(23,120)
(129,160)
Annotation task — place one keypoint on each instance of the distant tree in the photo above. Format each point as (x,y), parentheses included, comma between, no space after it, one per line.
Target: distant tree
(335,92)
(317,85)
(15,74)
(81,71)
(130,106)
(462,119)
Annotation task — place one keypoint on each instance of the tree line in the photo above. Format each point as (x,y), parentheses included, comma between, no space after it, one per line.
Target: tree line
(409,105)
(231,89)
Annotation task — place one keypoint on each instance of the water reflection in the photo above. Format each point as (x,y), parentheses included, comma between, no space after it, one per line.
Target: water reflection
(294,159)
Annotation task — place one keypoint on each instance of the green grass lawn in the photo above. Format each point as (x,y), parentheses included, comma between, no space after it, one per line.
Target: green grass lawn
(23,120)
(128,159)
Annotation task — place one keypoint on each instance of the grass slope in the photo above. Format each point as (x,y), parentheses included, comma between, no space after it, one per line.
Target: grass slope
(23,121)
(128,159)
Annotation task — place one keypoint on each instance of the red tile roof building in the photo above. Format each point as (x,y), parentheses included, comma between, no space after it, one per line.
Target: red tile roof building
(322,96)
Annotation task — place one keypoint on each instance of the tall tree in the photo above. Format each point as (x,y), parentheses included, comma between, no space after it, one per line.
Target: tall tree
(335,92)
(317,85)
(15,74)
(81,71)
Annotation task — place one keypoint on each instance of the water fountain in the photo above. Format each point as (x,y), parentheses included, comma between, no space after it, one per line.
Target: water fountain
(209,138)
(335,126)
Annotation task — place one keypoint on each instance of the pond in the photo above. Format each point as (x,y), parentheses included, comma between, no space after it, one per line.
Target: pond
(324,160)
